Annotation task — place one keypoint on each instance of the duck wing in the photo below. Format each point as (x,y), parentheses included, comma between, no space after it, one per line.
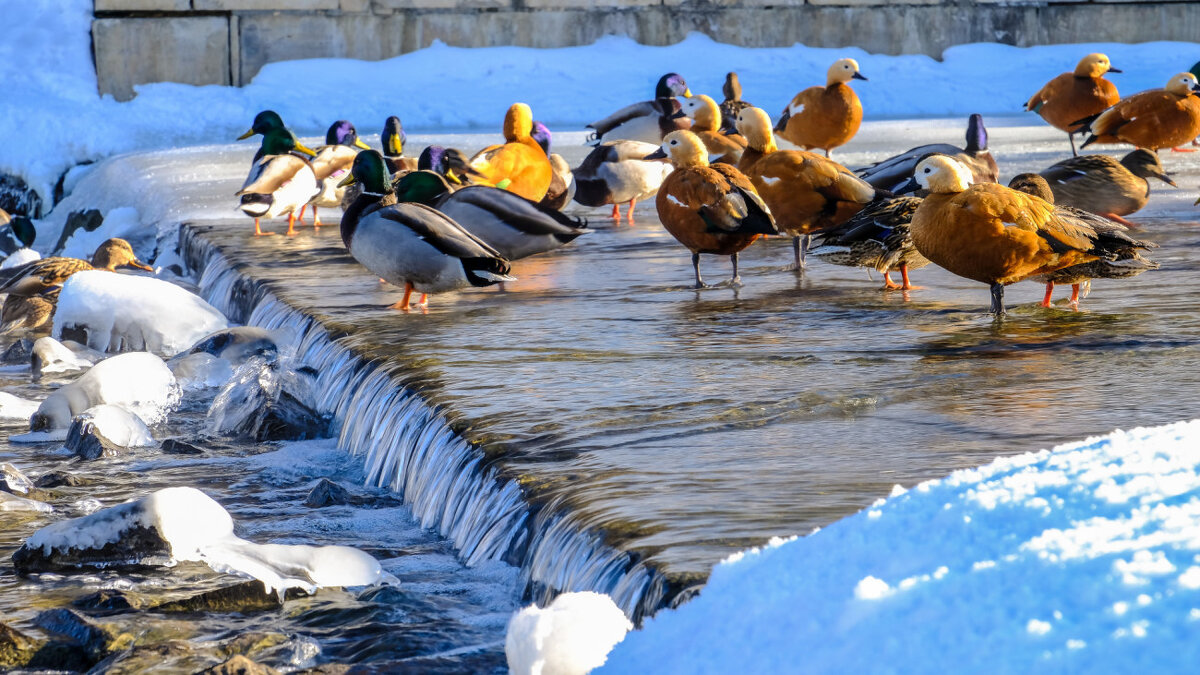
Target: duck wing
(438,230)
(876,222)
(515,211)
(731,204)
(271,173)
(332,158)
(891,172)
(629,112)
(1079,168)
(40,276)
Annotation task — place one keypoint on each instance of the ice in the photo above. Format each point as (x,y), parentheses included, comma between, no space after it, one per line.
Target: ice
(118,425)
(20,257)
(51,356)
(572,636)
(10,502)
(123,312)
(201,371)
(13,408)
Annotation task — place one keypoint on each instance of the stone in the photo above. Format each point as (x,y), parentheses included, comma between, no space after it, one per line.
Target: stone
(89,220)
(131,51)
(142,5)
(55,479)
(264,402)
(265,38)
(239,665)
(17,198)
(110,601)
(246,597)
(399,5)
(136,547)
(327,493)
(174,446)
(13,481)
(16,648)
(75,629)
(266,5)
(86,441)
(18,353)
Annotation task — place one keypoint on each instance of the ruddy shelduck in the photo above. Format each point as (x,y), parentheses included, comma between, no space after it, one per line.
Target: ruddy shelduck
(1071,97)
(1159,118)
(824,117)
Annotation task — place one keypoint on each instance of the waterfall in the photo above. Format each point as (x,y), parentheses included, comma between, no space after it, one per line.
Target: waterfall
(407,446)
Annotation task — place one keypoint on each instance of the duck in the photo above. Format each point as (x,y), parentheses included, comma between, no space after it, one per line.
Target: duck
(19,234)
(823,118)
(280,181)
(47,275)
(332,163)
(562,182)
(449,162)
(706,123)
(807,193)
(711,209)
(27,311)
(264,121)
(520,161)
(733,103)
(647,121)
(878,237)
(993,234)
(1127,262)
(893,172)
(392,140)
(412,245)
(512,225)
(616,172)
(1071,97)
(1155,119)
(1105,186)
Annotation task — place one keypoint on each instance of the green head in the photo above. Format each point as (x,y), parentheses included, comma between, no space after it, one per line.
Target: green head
(23,230)
(421,186)
(280,142)
(371,172)
(263,122)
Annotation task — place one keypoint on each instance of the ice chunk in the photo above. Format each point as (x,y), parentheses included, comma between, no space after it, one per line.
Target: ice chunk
(16,408)
(201,371)
(269,401)
(9,502)
(572,636)
(51,356)
(121,312)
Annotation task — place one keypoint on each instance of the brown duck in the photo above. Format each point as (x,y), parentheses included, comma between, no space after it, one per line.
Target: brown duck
(1159,118)
(1105,186)
(823,118)
(41,276)
(1071,97)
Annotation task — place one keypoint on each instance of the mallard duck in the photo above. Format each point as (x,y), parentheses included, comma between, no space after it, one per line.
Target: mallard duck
(281,180)
(27,311)
(1102,185)
(332,163)
(994,234)
(562,183)
(647,121)
(263,122)
(893,172)
(710,209)
(20,233)
(1126,261)
(824,117)
(733,103)
(520,165)
(450,163)
(1159,118)
(509,223)
(616,172)
(807,193)
(47,275)
(1070,97)
(412,245)
(706,123)
(393,139)
(877,237)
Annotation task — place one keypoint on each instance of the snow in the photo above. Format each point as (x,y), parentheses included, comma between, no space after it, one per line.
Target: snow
(15,408)
(1082,558)
(197,528)
(53,356)
(20,257)
(124,312)
(122,222)
(118,425)
(572,636)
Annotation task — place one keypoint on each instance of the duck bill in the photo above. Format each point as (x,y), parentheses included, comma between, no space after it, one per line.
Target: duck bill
(678,115)
(1114,70)
(858,76)
(246,135)
(348,180)
(1166,178)
(138,264)
(657,154)
(394,147)
(305,149)
(360,145)
(687,93)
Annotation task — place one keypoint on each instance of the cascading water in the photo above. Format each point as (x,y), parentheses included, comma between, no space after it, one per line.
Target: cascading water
(407,446)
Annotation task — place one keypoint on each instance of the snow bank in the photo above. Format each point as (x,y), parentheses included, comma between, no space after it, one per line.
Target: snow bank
(20,257)
(194,527)
(15,408)
(1085,558)
(123,312)
(571,636)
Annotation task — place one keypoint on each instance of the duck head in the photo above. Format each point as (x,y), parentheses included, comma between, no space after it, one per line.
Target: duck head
(939,173)
(424,187)
(704,112)
(450,162)
(23,229)
(282,141)
(732,89)
(116,253)
(977,138)
(1094,65)
(755,125)
(518,122)
(263,122)
(683,149)
(393,137)
(670,86)
(1146,164)
(343,132)
(1032,184)
(541,134)
(842,71)
(371,172)
(1183,84)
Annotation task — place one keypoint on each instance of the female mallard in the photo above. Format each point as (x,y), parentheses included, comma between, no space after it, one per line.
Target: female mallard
(617,172)
(823,118)
(706,123)
(647,121)
(1071,97)
(27,311)
(393,139)
(877,237)
(1159,118)
(733,103)
(807,193)
(49,274)
(520,165)
(562,183)
(1127,261)
(1102,185)
(280,180)
(710,209)
(893,172)
(514,226)
(332,163)
(412,245)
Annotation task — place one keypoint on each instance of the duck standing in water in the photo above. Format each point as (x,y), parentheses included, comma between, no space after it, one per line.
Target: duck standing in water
(823,118)
(878,237)
(709,209)
(1155,119)
(519,165)
(1071,97)
(1102,185)
(617,172)
(646,121)
(332,163)
(281,180)
(894,172)
(412,245)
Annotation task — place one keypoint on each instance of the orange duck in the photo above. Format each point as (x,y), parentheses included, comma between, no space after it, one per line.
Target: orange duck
(1159,118)
(706,123)
(520,165)
(993,234)
(824,117)
(1072,97)
(806,192)
(709,209)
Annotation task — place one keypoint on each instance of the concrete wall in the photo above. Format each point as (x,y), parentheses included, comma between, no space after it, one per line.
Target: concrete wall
(228,41)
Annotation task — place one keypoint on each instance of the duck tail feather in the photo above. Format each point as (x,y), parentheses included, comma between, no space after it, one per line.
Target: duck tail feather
(484,271)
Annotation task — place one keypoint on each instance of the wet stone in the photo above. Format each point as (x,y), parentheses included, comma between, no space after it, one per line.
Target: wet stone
(246,597)
(248,644)
(13,481)
(55,479)
(88,221)
(174,446)
(137,547)
(18,353)
(18,198)
(239,665)
(328,493)
(110,601)
(16,648)
(87,442)
(163,657)
(75,629)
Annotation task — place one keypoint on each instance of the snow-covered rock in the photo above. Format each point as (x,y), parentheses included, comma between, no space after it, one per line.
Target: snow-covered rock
(122,222)
(181,524)
(105,430)
(20,257)
(121,312)
(14,408)
(51,356)
(269,401)
(572,636)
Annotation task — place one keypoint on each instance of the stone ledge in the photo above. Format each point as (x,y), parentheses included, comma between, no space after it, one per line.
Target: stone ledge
(131,51)
(266,5)
(142,5)
(266,38)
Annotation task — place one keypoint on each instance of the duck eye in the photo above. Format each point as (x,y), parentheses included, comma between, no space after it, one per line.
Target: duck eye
(927,169)
(674,142)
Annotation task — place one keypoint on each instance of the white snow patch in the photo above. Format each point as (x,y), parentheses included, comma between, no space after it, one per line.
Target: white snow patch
(20,257)
(57,357)
(13,408)
(122,222)
(572,636)
(118,425)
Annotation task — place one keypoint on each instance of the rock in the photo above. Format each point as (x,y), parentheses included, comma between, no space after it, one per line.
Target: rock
(89,221)
(137,546)
(110,600)
(138,381)
(106,431)
(174,446)
(75,629)
(327,493)
(269,402)
(18,353)
(18,198)
(246,597)
(325,669)
(11,502)
(51,356)
(252,643)
(55,479)
(13,481)
(239,665)
(86,442)
(16,648)
(169,657)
